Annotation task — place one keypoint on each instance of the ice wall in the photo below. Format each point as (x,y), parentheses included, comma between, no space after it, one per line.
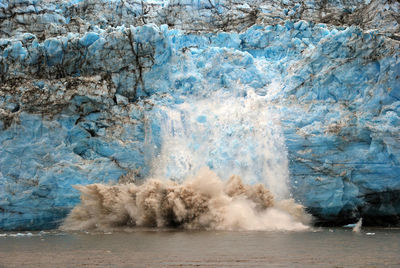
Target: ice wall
(85,85)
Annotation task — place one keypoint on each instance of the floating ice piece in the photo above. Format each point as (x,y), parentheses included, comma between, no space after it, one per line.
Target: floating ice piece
(20,235)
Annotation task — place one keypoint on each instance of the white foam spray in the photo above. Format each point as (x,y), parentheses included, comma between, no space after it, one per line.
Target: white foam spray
(357,227)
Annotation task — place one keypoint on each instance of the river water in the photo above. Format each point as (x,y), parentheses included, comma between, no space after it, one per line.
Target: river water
(337,247)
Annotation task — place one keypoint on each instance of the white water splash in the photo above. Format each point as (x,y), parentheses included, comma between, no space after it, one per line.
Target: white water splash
(357,227)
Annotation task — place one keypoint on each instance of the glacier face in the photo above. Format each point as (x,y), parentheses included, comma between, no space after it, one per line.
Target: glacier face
(87,86)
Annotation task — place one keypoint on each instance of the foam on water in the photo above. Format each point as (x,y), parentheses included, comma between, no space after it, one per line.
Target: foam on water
(204,141)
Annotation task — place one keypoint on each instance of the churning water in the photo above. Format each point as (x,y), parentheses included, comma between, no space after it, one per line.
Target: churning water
(222,166)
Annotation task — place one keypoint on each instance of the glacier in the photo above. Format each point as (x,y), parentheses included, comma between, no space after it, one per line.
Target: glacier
(89,87)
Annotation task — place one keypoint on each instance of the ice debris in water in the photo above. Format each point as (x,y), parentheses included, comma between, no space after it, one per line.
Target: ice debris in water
(20,235)
(200,202)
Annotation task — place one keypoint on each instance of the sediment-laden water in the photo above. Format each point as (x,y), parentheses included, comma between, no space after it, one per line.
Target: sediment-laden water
(175,248)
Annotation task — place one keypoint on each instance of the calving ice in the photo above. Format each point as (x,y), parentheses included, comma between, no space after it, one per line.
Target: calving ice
(225,132)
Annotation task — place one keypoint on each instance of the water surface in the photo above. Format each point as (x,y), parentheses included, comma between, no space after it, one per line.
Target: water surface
(171,248)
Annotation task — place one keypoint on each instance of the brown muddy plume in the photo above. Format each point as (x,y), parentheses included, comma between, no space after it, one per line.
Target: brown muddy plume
(201,202)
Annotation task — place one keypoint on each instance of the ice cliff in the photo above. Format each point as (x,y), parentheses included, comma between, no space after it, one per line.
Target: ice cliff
(87,86)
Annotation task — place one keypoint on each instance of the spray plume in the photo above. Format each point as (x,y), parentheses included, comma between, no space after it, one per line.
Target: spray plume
(201,202)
